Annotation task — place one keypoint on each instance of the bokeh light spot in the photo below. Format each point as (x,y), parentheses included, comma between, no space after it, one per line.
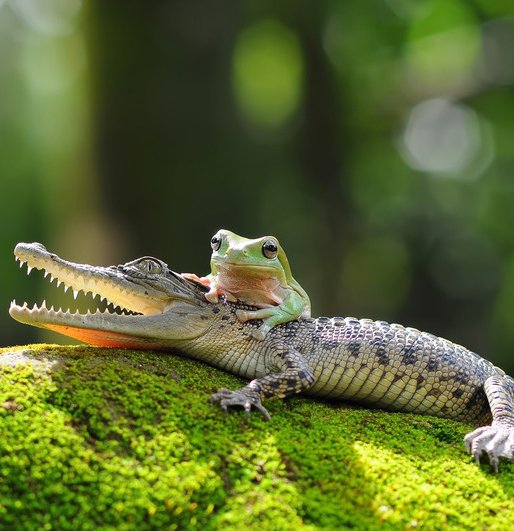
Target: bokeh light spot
(443,137)
(267,73)
(443,47)
(50,65)
(51,17)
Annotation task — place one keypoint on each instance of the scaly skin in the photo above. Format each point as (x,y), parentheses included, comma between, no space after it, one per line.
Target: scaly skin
(363,361)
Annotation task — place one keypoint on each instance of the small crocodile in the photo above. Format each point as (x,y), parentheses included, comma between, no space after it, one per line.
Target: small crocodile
(359,360)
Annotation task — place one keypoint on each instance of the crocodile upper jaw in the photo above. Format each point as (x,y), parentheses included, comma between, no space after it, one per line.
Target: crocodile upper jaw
(145,289)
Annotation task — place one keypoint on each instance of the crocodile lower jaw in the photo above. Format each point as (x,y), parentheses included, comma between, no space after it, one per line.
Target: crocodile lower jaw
(101,328)
(98,327)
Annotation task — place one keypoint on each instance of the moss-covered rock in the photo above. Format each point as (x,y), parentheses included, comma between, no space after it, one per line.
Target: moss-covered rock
(95,438)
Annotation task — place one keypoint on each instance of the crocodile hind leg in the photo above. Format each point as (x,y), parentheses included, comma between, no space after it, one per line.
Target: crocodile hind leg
(496,440)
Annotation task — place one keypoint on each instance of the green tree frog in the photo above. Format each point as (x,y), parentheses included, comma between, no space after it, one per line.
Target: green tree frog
(255,272)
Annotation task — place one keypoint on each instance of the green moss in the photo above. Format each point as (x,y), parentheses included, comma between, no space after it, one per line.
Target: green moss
(97,438)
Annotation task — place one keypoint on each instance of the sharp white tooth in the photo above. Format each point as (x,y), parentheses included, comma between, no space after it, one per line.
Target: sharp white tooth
(59,282)
(75,293)
(21,263)
(33,307)
(44,304)
(46,274)
(66,288)
(29,269)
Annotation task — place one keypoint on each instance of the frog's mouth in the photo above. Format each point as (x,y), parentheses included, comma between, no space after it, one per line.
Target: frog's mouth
(247,267)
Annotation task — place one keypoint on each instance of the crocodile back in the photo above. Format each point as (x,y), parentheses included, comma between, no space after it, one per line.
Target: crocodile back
(396,368)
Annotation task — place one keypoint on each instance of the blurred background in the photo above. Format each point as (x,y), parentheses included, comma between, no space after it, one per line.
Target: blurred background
(374,138)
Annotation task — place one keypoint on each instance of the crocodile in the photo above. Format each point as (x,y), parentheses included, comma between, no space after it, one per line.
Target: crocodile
(367,362)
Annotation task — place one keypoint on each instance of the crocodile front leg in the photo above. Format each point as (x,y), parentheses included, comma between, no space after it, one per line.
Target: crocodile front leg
(294,375)
(496,440)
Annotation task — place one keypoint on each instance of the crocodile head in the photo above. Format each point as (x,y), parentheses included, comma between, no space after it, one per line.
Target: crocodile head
(161,308)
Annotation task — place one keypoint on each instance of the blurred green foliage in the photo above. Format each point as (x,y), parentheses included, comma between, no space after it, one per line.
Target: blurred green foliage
(267,73)
(375,139)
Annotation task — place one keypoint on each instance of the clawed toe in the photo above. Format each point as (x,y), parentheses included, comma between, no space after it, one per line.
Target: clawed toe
(243,397)
(495,441)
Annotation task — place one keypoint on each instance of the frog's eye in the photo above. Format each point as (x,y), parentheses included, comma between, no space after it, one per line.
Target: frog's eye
(269,249)
(215,242)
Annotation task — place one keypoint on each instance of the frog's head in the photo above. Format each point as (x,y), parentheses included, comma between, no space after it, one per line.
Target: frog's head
(259,254)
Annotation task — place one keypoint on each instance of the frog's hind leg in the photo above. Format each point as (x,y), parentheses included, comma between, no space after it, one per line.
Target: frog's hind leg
(250,315)
(270,316)
(496,440)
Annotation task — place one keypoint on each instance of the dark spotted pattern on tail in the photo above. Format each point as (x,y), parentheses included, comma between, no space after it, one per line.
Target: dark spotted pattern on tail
(395,367)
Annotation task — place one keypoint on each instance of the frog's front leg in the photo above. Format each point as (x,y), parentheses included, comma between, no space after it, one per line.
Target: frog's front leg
(291,309)
(214,290)
(293,376)
(213,294)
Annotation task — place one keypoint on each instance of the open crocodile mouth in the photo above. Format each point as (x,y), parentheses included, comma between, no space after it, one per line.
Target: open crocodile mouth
(103,304)
(121,300)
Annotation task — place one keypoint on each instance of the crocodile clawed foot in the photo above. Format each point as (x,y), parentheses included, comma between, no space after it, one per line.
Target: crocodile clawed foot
(243,397)
(495,441)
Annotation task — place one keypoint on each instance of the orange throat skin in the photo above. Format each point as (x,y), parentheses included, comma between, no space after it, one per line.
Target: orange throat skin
(105,338)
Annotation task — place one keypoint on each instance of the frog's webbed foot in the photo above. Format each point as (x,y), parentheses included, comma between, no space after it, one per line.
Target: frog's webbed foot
(212,294)
(250,315)
(495,441)
(270,318)
(260,333)
(204,281)
(245,397)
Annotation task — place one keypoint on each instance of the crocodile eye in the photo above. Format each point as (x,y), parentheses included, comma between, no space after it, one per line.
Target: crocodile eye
(215,242)
(150,266)
(269,249)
